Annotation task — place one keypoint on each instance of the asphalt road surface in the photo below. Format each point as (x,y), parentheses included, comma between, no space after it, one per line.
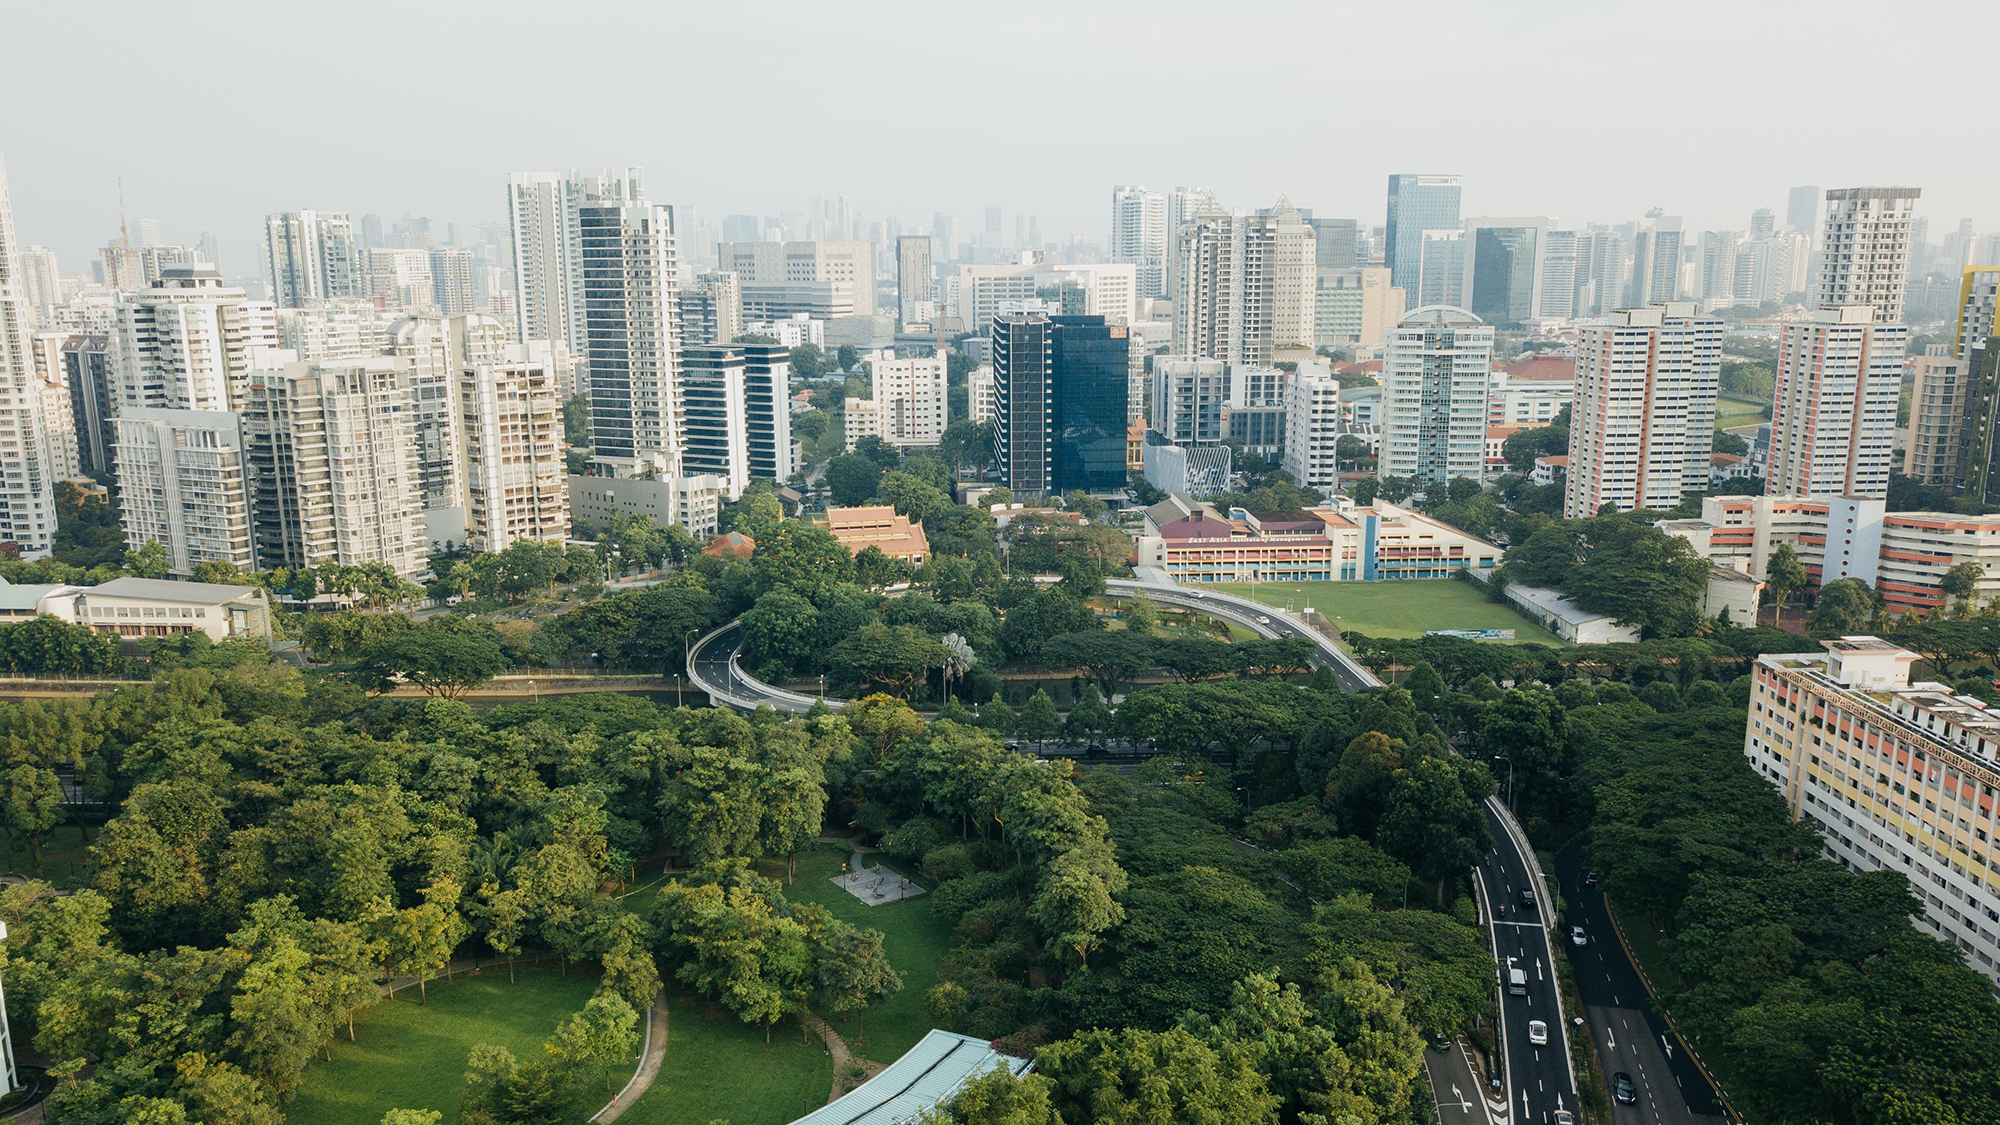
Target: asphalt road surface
(1455,1090)
(1538,1077)
(1628,1034)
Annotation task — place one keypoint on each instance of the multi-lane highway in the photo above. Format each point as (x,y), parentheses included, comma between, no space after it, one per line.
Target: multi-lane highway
(1539,1080)
(1627,1034)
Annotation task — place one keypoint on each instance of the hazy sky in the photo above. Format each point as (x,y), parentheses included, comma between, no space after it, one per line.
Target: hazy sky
(217,113)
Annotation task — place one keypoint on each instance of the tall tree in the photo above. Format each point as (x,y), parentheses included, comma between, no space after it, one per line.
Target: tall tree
(1783,575)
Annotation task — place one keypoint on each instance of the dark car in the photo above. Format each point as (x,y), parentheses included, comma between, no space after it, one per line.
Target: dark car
(1527,899)
(1590,878)
(1622,1090)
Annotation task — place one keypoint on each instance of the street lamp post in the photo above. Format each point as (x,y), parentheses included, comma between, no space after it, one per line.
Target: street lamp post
(687,654)
(1510,778)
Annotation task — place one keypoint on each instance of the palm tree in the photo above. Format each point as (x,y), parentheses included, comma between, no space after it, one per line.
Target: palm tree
(958,659)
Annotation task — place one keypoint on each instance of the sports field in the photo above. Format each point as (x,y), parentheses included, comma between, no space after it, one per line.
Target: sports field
(1399,609)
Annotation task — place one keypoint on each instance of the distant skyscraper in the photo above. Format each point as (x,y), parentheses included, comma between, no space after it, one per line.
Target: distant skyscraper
(1865,249)
(1335,243)
(992,224)
(712,309)
(1834,420)
(1417,203)
(27,494)
(542,212)
(371,231)
(1559,273)
(1504,267)
(1646,385)
(1060,402)
(1762,224)
(183,483)
(842,272)
(1183,205)
(399,278)
(310,255)
(453,273)
(767,410)
(90,365)
(631,342)
(1716,269)
(41,277)
(1435,370)
(1656,262)
(915,290)
(1441,268)
(1600,271)
(1802,209)
(1139,235)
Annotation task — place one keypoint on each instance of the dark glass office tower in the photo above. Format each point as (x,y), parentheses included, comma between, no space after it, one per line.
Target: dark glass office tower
(1059,389)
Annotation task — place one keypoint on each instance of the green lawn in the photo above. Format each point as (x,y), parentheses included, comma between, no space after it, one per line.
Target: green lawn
(719,1068)
(915,941)
(412,1056)
(65,859)
(1731,411)
(1398,609)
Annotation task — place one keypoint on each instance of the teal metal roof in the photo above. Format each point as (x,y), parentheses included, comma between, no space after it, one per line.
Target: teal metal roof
(925,1076)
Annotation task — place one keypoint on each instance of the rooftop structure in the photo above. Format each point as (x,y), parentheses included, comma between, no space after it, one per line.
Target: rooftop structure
(925,1077)
(880,527)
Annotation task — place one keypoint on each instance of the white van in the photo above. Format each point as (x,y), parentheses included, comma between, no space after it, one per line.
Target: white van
(1517,982)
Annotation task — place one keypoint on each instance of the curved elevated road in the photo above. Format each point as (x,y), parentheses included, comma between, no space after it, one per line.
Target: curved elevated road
(715,664)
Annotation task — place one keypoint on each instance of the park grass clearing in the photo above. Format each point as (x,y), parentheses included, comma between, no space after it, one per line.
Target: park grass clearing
(66,861)
(1399,610)
(1732,411)
(718,1068)
(412,1056)
(913,937)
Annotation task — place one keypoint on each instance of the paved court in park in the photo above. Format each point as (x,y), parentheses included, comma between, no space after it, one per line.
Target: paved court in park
(877,885)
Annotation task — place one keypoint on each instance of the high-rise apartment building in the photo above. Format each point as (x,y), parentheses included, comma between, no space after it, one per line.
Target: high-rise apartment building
(1896,776)
(185,342)
(58,419)
(1312,432)
(1435,369)
(1183,205)
(716,427)
(90,366)
(1417,203)
(916,280)
(1940,399)
(1336,243)
(631,339)
(1865,249)
(183,483)
(310,255)
(333,464)
(543,218)
(1763,224)
(338,328)
(1643,416)
(979,394)
(711,310)
(905,406)
(1245,282)
(1060,412)
(1834,420)
(27,494)
(1715,270)
(1189,395)
(767,406)
(515,457)
(399,278)
(1441,268)
(1978,302)
(1140,235)
(1107,289)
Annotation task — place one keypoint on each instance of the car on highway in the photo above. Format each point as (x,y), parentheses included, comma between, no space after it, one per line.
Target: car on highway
(1527,898)
(1622,1090)
(1562,1117)
(1538,1033)
(1590,878)
(1263,620)
(1440,1041)
(1577,936)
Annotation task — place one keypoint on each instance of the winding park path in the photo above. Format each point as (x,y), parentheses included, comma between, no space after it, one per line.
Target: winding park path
(650,1062)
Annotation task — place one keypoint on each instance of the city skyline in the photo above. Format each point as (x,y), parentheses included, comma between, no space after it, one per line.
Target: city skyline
(66,194)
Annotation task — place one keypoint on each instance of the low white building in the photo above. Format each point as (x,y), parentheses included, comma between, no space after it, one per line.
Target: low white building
(135,608)
(793,331)
(1568,620)
(694,502)
(979,393)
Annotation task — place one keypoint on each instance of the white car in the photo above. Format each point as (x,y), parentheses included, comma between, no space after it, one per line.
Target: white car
(1538,1033)
(1562,1117)
(1262,620)
(1577,936)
